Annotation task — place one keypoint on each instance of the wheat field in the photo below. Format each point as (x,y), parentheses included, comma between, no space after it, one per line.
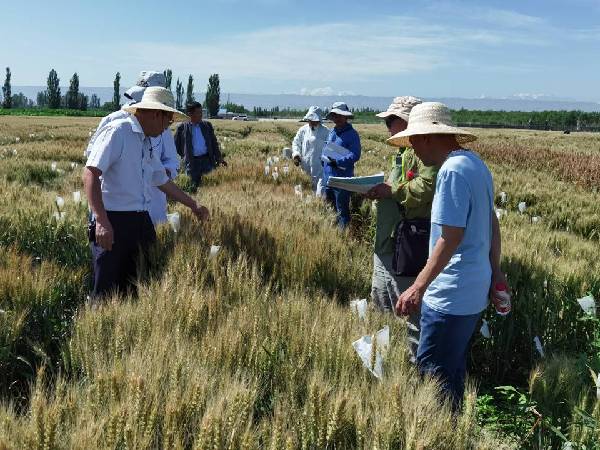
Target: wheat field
(251,348)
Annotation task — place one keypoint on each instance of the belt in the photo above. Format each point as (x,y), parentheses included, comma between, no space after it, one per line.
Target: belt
(127,213)
(202,156)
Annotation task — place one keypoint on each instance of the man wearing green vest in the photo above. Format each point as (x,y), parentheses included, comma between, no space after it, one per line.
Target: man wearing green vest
(407,194)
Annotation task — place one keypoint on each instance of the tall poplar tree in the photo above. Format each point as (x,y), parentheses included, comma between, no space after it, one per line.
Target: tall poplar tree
(213,95)
(7,91)
(72,97)
(189,97)
(53,90)
(117,92)
(179,95)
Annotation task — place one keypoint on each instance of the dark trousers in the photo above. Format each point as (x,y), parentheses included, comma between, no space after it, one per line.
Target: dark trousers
(340,200)
(443,349)
(117,269)
(197,167)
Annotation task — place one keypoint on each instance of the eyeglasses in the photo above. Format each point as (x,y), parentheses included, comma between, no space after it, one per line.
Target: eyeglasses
(169,116)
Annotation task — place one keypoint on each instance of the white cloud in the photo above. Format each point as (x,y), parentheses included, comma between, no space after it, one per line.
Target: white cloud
(359,51)
(325,92)
(506,18)
(493,16)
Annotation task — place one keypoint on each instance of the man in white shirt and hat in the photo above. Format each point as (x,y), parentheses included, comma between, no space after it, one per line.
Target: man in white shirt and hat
(120,173)
(165,142)
(308,145)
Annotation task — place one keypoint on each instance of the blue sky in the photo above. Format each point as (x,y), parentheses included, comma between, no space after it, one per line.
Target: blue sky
(369,47)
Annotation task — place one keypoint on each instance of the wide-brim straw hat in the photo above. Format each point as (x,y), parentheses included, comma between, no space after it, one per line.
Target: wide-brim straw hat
(157,98)
(401,107)
(340,108)
(430,118)
(314,114)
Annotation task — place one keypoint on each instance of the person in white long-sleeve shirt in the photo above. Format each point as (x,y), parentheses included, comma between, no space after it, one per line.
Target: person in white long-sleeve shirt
(165,142)
(308,145)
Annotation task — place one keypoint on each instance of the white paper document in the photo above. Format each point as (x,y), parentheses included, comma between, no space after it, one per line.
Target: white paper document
(362,185)
(334,151)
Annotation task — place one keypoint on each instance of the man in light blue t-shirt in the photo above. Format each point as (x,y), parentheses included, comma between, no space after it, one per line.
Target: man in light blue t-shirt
(464,252)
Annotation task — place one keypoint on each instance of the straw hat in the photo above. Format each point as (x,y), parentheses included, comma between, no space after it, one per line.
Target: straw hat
(157,98)
(340,108)
(146,79)
(430,118)
(314,114)
(401,107)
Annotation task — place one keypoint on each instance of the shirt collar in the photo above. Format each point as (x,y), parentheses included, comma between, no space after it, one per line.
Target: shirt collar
(135,125)
(343,129)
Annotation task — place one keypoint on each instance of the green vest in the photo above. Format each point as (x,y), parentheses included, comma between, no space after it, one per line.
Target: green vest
(413,196)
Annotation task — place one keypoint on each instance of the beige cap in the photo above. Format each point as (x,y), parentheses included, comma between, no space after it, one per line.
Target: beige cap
(401,107)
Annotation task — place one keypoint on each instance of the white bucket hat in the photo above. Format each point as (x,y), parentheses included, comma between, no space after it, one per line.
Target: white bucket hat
(430,118)
(401,107)
(157,98)
(340,108)
(314,114)
(147,78)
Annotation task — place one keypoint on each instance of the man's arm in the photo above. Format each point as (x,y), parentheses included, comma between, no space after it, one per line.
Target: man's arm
(496,253)
(179,196)
(353,144)
(215,144)
(443,250)
(297,143)
(168,156)
(104,230)
(410,194)
(179,140)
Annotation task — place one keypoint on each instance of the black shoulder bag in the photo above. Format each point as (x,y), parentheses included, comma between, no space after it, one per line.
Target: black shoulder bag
(411,248)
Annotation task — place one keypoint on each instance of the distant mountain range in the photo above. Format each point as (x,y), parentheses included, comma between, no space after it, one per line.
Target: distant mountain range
(296,101)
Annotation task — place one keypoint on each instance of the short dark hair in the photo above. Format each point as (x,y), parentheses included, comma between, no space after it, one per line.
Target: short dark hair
(191,107)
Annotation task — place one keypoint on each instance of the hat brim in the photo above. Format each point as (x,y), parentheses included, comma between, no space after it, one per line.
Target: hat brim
(402,139)
(135,93)
(386,114)
(340,112)
(177,115)
(311,118)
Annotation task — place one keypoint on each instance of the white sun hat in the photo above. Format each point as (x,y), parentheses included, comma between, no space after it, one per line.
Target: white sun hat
(157,98)
(314,114)
(147,78)
(340,108)
(430,118)
(401,107)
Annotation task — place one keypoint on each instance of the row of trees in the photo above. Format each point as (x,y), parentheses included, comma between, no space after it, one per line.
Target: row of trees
(51,97)
(539,120)
(211,100)
(74,99)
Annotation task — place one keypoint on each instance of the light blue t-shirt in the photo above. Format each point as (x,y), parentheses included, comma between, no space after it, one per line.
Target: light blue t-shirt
(464,196)
(198,142)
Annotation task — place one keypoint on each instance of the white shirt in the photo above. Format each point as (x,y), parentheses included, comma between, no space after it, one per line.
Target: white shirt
(130,166)
(308,144)
(168,158)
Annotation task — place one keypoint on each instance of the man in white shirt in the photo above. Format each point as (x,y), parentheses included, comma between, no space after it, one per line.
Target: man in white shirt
(120,173)
(308,145)
(165,142)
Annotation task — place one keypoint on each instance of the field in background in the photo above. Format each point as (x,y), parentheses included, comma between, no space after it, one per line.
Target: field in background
(252,348)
